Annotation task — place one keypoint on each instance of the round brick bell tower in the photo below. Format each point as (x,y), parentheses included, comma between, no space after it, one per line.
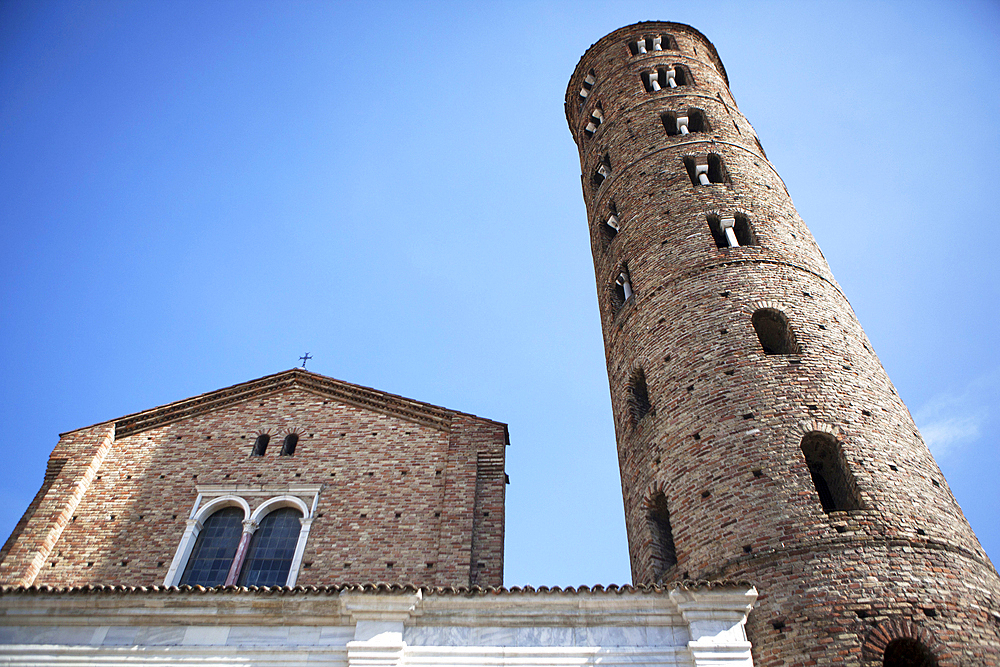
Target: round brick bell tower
(758,435)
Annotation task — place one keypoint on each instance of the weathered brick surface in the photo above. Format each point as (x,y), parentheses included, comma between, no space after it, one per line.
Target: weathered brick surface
(395,490)
(723,439)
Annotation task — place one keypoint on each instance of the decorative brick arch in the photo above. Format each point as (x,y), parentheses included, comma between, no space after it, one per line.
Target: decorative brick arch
(892,629)
(770,305)
(808,426)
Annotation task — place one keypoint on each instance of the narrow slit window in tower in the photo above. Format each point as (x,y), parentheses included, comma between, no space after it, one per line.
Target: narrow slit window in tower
(684,122)
(288,446)
(638,396)
(774,332)
(610,226)
(830,475)
(731,231)
(260,444)
(621,291)
(601,173)
(705,170)
(595,120)
(588,85)
(664,554)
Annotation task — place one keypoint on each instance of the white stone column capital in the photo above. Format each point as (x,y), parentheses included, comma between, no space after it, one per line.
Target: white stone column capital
(250,526)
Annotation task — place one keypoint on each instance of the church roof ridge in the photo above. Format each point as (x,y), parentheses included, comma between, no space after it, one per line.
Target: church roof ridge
(347,392)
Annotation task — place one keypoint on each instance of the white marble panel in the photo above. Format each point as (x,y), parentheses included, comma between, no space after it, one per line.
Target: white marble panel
(303,635)
(543,636)
(160,636)
(336,635)
(658,635)
(490,636)
(49,635)
(254,635)
(607,635)
(437,636)
(119,635)
(205,635)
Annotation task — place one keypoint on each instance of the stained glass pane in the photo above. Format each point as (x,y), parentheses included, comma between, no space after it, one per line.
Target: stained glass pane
(269,557)
(215,548)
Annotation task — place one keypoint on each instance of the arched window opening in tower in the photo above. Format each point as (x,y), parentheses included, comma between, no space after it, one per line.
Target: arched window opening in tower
(214,549)
(288,446)
(638,396)
(260,444)
(834,483)
(602,172)
(684,122)
(705,169)
(908,652)
(774,332)
(653,43)
(731,231)
(588,85)
(610,226)
(664,554)
(595,120)
(272,548)
(673,76)
(621,291)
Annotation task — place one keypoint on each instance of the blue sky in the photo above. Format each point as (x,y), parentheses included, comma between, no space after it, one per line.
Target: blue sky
(193,194)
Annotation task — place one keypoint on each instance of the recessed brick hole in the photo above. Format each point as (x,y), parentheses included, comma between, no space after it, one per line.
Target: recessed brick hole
(128,476)
(666,358)
(846,368)
(892,467)
(389,565)
(758,473)
(748,415)
(194,476)
(935,482)
(124,563)
(364,516)
(657,462)
(90,563)
(208,437)
(778,625)
(930,612)
(691,387)
(159,563)
(52,564)
(261,405)
(74,518)
(813,407)
(311,434)
(806,294)
(430,565)
(823,327)
(371,474)
(486,513)
(840,529)
(140,517)
(724,331)
(399,514)
(307,565)
(403,472)
(706,494)
(437,515)
(374,432)
(661,320)
(226,476)
(298,474)
(333,474)
(112,517)
(864,345)
(794,362)
(258,474)
(697,436)
(243,437)
(319,516)
(98,477)
(724,295)
(177,437)
(162,476)
(173,517)
(437,472)
(921,531)
(747,548)
(730,372)
(863,613)
(347,566)
(866,413)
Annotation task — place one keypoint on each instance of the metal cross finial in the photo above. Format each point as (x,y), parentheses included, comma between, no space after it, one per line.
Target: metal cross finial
(306,357)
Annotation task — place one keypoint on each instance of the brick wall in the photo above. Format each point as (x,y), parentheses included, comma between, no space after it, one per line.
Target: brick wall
(398,499)
(722,441)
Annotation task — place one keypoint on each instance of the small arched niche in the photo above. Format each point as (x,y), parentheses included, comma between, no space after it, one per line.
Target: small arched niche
(774,332)
(663,552)
(827,465)
(908,652)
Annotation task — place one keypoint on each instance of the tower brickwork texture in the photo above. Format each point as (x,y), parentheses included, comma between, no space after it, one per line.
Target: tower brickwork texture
(385,489)
(758,435)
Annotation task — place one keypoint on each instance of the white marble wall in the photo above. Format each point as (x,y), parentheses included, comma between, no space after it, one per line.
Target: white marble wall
(693,629)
